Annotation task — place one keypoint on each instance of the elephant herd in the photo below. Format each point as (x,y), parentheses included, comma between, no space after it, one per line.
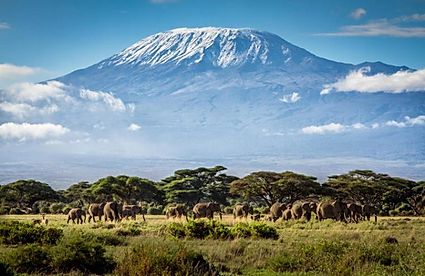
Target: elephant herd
(337,210)
(112,211)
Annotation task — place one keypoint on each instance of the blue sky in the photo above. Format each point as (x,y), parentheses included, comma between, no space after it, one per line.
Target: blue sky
(54,37)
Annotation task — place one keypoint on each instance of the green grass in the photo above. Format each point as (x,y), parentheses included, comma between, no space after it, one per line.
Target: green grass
(302,248)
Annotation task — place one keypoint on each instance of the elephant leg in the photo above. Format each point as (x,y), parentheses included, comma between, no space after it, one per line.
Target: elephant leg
(90,218)
(68,220)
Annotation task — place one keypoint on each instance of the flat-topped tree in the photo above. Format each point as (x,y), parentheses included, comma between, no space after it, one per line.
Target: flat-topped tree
(24,193)
(269,187)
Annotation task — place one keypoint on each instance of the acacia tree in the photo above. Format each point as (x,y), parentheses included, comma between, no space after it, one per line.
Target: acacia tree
(270,187)
(193,185)
(24,193)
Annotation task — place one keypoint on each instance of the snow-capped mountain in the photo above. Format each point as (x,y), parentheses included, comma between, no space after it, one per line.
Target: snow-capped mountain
(247,99)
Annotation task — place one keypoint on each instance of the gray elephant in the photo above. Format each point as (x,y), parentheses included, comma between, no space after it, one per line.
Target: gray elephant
(206,210)
(132,211)
(276,211)
(301,210)
(313,207)
(242,210)
(354,212)
(76,214)
(368,211)
(287,214)
(112,211)
(96,210)
(331,210)
(176,212)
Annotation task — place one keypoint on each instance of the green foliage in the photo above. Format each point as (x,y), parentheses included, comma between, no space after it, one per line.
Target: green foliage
(176,229)
(159,258)
(23,233)
(5,269)
(4,210)
(198,229)
(270,187)
(241,230)
(154,211)
(30,259)
(191,186)
(24,193)
(80,252)
(263,231)
(57,208)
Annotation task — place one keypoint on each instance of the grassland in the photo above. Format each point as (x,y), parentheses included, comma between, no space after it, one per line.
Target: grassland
(392,246)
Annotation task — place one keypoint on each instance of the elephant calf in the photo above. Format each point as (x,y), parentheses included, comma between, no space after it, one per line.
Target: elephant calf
(76,214)
(276,211)
(242,210)
(96,210)
(176,212)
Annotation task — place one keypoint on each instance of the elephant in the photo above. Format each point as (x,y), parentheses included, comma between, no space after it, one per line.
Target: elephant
(96,210)
(287,214)
(132,211)
(206,210)
(242,210)
(301,210)
(334,210)
(313,207)
(367,211)
(276,211)
(176,211)
(78,214)
(354,212)
(112,211)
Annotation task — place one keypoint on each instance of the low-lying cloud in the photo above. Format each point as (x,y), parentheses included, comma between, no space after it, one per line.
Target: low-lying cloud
(25,131)
(408,122)
(324,129)
(114,103)
(359,81)
(34,92)
(22,110)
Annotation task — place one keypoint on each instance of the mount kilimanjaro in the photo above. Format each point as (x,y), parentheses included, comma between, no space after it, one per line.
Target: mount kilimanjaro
(246,98)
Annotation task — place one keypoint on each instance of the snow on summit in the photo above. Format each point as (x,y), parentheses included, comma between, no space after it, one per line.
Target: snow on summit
(219,47)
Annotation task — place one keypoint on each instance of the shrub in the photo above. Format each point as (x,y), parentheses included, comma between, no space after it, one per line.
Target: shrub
(16,211)
(4,210)
(199,229)
(30,259)
(241,230)
(220,231)
(154,211)
(5,269)
(57,207)
(176,229)
(130,231)
(162,258)
(23,233)
(80,252)
(264,231)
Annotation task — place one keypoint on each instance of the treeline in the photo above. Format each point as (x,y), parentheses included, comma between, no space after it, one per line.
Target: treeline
(390,195)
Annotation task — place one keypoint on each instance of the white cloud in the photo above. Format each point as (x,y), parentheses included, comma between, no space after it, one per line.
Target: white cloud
(323,129)
(4,26)
(11,71)
(114,103)
(291,98)
(412,17)
(382,27)
(31,131)
(134,127)
(358,126)
(399,82)
(358,13)
(375,125)
(21,110)
(408,122)
(33,92)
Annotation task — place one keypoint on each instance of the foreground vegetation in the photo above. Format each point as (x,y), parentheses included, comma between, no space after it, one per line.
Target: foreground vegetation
(392,246)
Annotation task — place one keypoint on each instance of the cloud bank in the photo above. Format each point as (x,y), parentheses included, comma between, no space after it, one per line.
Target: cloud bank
(34,92)
(26,131)
(408,122)
(114,103)
(399,82)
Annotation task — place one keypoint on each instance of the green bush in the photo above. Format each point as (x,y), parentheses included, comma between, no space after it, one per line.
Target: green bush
(81,252)
(5,269)
(154,211)
(4,210)
(155,257)
(30,259)
(16,211)
(199,229)
(220,231)
(23,233)
(264,231)
(57,207)
(176,229)
(241,230)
